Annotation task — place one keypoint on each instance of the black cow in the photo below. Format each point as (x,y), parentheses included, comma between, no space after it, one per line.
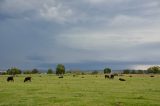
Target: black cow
(10,78)
(109,76)
(27,79)
(152,76)
(112,76)
(106,76)
(121,79)
(60,76)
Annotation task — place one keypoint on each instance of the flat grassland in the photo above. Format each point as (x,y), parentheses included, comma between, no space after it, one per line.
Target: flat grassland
(92,90)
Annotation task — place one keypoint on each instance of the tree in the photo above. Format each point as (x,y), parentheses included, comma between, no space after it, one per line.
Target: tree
(35,71)
(27,72)
(50,71)
(14,71)
(107,70)
(140,71)
(133,72)
(154,69)
(60,69)
(3,73)
(127,71)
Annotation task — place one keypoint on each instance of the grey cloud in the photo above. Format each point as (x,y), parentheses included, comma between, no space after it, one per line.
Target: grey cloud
(151,45)
(78,11)
(120,32)
(36,58)
(114,65)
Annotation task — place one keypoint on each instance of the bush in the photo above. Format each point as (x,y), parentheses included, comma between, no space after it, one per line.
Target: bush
(83,73)
(13,71)
(107,70)
(3,73)
(50,71)
(60,69)
(127,71)
(154,69)
(140,71)
(27,72)
(35,71)
(133,72)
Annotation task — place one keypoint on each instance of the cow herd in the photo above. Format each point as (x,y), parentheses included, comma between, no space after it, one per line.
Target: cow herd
(10,78)
(26,79)
(111,76)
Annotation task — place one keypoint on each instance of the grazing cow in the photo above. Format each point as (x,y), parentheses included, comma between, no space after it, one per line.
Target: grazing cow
(10,78)
(27,79)
(60,76)
(152,76)
(121,79)
(112,76)
(106,76)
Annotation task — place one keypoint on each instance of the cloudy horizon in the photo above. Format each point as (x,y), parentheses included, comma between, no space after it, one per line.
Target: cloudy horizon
(82,34)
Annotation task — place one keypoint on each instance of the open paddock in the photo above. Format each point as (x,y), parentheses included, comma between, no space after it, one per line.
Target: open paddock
(92,90)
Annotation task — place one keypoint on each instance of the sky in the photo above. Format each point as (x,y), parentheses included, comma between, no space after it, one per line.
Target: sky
(81,34)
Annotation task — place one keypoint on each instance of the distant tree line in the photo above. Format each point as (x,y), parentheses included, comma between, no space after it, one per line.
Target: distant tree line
(34,71)
(60,70)
(14,71)
(129,71)
(153,70)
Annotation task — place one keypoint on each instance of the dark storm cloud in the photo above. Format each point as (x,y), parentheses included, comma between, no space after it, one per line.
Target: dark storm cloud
(84,33)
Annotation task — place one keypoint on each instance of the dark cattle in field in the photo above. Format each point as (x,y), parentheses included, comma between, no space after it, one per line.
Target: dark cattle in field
(10,78)
(152,76)
(27,79)
(121,79)
(106,76)
(112,76)
(60,76)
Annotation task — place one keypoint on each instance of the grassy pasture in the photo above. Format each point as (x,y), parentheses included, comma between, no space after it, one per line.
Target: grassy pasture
(49,90)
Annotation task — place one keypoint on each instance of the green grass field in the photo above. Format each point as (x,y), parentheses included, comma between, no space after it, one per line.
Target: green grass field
(49,90)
